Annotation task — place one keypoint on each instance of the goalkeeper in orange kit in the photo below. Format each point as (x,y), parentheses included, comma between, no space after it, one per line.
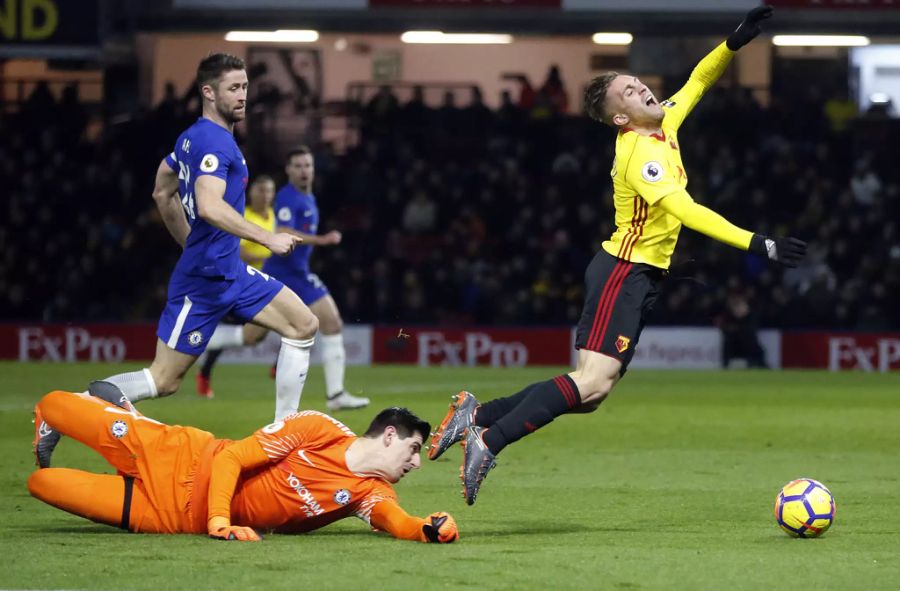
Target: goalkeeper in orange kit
(292,476)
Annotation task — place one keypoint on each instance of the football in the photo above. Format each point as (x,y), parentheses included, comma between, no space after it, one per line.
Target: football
(804,508)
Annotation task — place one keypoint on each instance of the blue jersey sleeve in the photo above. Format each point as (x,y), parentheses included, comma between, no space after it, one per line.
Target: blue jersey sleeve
(286,209)
(214,159)
(170,161)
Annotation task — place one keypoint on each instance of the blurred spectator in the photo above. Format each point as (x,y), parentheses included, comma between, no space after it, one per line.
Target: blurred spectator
(420,214)
(554,91)
(740,327)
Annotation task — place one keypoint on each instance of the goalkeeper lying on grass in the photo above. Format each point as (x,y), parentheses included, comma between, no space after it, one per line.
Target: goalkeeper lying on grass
(292,476)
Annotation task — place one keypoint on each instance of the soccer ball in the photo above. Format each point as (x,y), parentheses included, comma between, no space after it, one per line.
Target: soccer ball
(804,508)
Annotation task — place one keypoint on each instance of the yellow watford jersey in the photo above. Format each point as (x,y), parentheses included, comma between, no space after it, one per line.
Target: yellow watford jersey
(267,223)
(648,168)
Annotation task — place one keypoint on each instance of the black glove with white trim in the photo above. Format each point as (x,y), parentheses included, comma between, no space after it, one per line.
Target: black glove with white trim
(787,251)
(749,28)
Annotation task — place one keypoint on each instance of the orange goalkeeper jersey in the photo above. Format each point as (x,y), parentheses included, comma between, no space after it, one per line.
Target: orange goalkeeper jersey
(293,477)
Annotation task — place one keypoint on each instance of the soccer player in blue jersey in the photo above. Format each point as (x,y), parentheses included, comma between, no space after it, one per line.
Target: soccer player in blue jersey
(200,194)
(297,213)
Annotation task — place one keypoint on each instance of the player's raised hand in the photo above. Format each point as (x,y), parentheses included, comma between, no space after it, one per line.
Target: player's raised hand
(333,237)
(787,251)
(440,528)
(283,243)
(220,529)
(749,27)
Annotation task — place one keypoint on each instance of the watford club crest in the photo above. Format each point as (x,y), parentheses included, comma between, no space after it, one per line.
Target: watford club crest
(622,344)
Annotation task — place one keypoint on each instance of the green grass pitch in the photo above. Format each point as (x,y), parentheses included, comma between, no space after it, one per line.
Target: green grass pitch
(670,485)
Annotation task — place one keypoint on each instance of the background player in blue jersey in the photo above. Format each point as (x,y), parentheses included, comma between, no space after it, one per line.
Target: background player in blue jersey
(200,194)
(297,213)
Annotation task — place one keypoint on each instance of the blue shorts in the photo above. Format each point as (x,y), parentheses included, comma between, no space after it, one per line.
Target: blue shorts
(197,304)
(306,285)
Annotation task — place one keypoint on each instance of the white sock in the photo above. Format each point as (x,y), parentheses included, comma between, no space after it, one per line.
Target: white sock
(333,362)
(290,375)
(135,385)
(227,335)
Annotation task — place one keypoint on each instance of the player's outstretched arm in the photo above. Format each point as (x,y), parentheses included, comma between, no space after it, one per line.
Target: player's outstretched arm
(749,27)
(711,67)
(211,206)
(327,239)
(165,194)
(787,251)
(436,528)
(226,468)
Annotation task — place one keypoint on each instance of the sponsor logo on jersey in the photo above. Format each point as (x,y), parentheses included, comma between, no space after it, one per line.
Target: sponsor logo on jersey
(622,343)
(652,171)
(209,163)
(119,429)
(195,338)
(342,496)
(284,214)
(308,502)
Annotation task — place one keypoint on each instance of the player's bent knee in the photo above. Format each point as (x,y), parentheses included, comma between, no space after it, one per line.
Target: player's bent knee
(167,387)
(41,482)
(303,329)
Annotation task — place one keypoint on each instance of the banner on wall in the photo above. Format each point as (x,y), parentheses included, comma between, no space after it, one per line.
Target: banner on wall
(49,22)
(841,351)
(465,3)
(832,4)
(495,347)
(357,348)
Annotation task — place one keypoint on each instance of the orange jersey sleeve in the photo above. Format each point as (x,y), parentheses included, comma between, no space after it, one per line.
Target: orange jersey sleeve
(226,468)
(381,511)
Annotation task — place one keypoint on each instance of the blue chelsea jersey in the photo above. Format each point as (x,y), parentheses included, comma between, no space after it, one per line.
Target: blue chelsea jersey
(207,148)
(298,211)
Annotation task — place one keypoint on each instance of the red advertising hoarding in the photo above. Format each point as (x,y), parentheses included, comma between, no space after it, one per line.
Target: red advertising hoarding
(832,4)
(465,3)
(77,342)
(841,351)
(496,347)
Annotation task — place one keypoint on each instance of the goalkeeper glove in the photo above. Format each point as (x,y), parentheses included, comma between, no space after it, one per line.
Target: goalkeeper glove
(220,528)
(787,251)
(441,528)
(749,28)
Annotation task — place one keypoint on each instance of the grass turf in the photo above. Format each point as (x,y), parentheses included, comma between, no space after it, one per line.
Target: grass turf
(670,485)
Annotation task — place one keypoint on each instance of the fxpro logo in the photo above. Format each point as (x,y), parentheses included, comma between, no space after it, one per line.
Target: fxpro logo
(75,344)
(308,502)
(476,348)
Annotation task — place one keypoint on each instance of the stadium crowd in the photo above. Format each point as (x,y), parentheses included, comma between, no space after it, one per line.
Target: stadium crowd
(459,215)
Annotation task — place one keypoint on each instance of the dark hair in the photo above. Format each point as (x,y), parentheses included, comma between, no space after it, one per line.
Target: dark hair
(298,151)
(595,97)
(213,66)
(402,419)
(262,178)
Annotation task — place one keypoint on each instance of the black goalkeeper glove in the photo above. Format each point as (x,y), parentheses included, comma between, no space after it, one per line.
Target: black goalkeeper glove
(749,28)
(787,251)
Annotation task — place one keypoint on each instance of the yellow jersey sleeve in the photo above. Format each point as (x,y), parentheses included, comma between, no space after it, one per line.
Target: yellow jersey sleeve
(705,74)
(648,173)
(704,220)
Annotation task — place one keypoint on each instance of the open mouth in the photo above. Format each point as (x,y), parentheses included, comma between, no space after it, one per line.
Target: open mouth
(650,101)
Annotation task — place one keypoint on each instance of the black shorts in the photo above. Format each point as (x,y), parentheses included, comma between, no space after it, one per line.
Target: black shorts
(618,297)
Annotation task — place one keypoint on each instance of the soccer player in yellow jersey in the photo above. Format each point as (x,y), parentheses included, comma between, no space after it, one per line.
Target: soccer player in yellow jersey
(623,278)
(259,211)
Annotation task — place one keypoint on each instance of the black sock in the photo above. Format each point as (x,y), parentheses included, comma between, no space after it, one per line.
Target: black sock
(212,355)
(490,412)
(545,401)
